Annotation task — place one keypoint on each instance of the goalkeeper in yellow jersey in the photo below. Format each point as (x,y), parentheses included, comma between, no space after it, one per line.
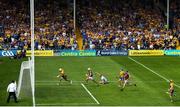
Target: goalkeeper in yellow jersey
(62,76)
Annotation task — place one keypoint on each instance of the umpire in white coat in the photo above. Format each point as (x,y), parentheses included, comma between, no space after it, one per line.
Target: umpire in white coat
(11,89)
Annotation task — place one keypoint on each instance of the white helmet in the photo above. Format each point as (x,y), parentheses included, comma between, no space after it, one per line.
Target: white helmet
(60,69)
(89,69)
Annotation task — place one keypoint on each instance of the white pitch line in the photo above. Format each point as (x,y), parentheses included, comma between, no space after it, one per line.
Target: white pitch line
(62,104)
(90,93)
(152,71)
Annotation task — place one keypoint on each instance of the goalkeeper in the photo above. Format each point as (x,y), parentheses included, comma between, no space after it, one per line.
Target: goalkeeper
(62,76)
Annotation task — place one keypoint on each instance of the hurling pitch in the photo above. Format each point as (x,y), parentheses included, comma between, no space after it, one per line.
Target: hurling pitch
(150,74)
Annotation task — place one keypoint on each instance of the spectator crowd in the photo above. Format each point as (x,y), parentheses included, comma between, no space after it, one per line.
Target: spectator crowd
(104,25)
(126,25)
(53,25)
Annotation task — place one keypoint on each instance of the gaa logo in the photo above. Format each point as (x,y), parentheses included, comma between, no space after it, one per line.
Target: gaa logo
(7,53)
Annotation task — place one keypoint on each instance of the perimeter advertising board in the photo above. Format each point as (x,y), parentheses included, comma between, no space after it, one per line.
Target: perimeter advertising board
(172,52)
(146,52)
(75,53)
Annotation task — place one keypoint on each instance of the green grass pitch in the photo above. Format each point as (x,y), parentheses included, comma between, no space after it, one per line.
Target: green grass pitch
(149,73)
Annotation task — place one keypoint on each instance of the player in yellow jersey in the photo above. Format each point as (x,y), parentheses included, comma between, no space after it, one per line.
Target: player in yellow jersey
(62,76)
(121,77)
(171,90)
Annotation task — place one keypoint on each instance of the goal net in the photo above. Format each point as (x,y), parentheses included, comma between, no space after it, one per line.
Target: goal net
(26,81)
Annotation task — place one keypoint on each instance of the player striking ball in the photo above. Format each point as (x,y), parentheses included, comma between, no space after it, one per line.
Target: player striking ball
(62,76)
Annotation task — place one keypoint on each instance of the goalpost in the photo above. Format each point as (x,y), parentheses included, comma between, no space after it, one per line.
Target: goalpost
(27,67)
(26,80)
(32,51)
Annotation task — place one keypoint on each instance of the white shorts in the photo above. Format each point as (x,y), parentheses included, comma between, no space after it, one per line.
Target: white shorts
(103,79)
(90,78)
(126,81)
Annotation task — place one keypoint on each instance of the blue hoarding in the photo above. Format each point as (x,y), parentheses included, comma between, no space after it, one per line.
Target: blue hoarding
(172,52)
(8,52)
(111,53)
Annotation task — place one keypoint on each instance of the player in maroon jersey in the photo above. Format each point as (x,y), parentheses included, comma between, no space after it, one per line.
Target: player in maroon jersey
(126,80)
(89,76)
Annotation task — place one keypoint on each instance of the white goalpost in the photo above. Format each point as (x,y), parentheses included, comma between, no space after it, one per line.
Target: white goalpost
(32,51)
(26,82)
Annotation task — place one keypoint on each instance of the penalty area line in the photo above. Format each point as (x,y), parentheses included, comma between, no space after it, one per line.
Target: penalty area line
(152,71)
(90,93)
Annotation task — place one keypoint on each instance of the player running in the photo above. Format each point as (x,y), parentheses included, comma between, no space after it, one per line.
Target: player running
(62,76)
(121,77)
(103,79)
(126,80)
(89,76)
(171,90)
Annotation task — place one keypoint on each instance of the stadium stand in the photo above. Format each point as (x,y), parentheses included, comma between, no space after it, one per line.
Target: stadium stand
(123,26)
(53,26)
(103,25)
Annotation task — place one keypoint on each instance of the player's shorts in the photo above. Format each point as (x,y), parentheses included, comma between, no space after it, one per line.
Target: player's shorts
(64,77)
(90,78)
(171,92)
(103,79)
(121,79)
(126,81)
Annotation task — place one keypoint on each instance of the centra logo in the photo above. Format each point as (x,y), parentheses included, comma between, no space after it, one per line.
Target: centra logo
(7,53)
